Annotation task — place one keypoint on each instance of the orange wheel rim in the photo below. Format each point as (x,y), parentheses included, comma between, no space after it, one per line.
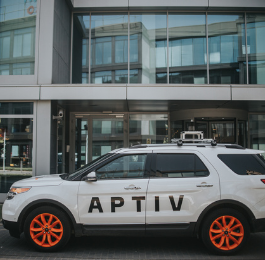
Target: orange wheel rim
(226,233)
(46,230)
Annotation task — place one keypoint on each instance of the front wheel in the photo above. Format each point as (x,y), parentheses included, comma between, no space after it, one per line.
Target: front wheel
(47,228)
(225,231)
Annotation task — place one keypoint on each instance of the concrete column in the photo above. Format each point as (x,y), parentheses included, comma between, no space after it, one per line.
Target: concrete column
(43,137)
(46,41)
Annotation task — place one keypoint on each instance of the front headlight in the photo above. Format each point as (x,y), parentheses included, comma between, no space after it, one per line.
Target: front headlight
(16,190)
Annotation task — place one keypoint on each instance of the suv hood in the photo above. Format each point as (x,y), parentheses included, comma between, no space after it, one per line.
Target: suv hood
(37,181)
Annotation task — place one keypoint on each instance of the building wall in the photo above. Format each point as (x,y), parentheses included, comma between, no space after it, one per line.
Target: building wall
(61,43)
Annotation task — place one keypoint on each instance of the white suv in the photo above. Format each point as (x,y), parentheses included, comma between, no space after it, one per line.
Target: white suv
(214,192)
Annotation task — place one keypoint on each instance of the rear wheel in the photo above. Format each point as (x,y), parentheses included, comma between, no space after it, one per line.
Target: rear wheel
(47,228)
(225,231)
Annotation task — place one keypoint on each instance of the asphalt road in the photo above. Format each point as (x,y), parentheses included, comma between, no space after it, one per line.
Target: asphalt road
(126,248)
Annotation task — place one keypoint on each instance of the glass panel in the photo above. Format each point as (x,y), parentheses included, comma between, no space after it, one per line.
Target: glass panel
(226,48)
(176,128)
(107,136)
(242,133)
(148,48)
(244,164)
(17,36)
(109,47)
(16,108)
(256,131)
(179,166)
(81,142)
(148,129)
(15,150)
(223,132)
(256,48)
(187,48)
(131,166)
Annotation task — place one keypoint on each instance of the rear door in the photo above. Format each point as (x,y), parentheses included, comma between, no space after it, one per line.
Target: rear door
(182,184)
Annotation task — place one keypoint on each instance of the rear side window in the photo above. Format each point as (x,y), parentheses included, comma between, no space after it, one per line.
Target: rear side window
(180,166)
(244,164)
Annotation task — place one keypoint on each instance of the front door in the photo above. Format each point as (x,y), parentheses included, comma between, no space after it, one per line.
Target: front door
(119,194)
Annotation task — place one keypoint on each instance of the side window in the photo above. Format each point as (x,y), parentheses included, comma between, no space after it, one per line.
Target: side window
(128,166)
(180,166)
(244,164)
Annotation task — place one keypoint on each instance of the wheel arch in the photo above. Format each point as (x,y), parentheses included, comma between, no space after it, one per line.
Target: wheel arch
(226,204)
(48,202)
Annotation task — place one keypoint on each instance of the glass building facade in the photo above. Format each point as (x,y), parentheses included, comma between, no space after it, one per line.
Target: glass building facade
(17,37)
(174,48)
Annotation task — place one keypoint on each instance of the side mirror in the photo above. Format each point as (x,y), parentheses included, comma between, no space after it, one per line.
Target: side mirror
(90,177)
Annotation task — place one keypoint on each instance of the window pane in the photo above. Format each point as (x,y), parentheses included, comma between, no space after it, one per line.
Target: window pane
(226,48)
(187,48)
(148,129)
(16,108)
(179,166)
(148,37)
(109,47)
(17,134)
(256,131)
(130,166)
(256,49)
(17,34)
(244,164)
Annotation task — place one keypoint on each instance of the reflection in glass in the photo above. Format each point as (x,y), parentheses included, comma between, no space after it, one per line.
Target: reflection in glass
(148,129)
(226,48)
(148,46)
(81,142)
(223,132)
(109,48)
(187,48)
(16,135)
(107,136)
(17,37)
(257,131)
(256,48)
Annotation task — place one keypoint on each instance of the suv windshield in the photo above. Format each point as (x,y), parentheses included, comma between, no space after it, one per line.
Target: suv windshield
(88,166)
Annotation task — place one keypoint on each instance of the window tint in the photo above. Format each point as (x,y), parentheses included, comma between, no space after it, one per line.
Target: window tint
(179,166)
(129,166)
(244,164)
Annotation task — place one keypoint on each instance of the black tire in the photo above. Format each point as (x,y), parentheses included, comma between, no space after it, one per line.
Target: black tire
(47,229)
(227,236)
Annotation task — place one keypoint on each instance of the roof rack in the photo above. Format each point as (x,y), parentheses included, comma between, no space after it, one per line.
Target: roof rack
(199,142)
(199,139)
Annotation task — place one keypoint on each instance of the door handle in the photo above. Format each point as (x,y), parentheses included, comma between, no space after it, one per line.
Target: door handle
(132,187)
(204,184)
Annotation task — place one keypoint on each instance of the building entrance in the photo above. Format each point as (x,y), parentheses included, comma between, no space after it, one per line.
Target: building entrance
(92,135)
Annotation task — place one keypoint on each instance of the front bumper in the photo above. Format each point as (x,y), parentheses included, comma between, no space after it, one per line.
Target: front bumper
(13,228)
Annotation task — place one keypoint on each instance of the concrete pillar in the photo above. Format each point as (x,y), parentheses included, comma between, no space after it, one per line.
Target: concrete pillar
(43,137)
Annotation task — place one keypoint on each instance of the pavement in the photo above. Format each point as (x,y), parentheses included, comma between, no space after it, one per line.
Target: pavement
(123,248)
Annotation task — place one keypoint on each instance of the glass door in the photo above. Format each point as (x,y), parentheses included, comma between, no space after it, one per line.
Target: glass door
(95,136)
(107,135)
